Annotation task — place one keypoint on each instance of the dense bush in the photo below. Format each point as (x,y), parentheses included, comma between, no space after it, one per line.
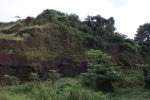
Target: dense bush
(102,73)
(146,74)
(146,69)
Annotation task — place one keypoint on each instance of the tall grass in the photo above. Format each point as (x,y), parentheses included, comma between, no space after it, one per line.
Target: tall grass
(69,89)
(10,37)
(64,89)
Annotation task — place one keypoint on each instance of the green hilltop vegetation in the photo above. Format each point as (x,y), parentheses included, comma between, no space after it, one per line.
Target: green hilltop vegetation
(56,56)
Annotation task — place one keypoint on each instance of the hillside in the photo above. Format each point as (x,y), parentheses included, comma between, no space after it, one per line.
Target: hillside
(62,42)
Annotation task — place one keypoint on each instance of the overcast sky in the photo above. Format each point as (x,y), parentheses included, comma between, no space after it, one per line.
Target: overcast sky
(128,14)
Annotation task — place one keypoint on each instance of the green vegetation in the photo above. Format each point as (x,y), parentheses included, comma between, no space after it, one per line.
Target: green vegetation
(68,89)
(101,73)
(146,71)
(56,56)
(143,39)
(64,89)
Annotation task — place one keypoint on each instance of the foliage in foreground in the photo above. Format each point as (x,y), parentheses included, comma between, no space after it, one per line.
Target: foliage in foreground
(64,89)
(70,89)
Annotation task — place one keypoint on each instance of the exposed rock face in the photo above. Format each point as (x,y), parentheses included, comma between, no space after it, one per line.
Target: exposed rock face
(127,60)
(11,44)
(69,67)
(66,67)
(5,59)
(32,31)
(14,62)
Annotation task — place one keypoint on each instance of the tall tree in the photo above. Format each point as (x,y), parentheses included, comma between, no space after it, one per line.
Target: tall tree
(143,39)
(143,35)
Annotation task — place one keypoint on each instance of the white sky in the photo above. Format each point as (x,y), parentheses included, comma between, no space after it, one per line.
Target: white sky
(128,14)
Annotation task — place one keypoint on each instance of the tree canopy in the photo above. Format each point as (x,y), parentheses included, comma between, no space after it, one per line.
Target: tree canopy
(143,34)
(143,39)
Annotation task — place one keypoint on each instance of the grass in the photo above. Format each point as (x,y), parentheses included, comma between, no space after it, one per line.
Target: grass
(64,89)
(6,25)
(136,93)
(69,89)
(10,37)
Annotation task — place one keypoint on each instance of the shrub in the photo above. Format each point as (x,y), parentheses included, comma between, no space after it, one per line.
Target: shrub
(53,76)
(34,77)
(101,73)
(13,80)
(146,69)
(97,56)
